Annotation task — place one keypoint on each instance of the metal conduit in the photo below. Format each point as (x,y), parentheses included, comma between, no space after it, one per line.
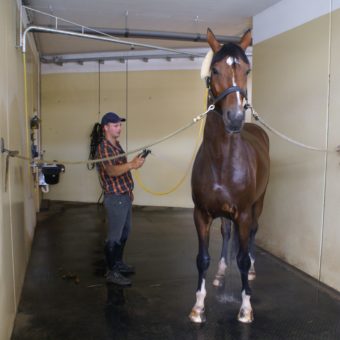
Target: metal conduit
(146,34)
(98,37)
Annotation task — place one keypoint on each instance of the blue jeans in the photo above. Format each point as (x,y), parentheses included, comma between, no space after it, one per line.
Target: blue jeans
(118,211)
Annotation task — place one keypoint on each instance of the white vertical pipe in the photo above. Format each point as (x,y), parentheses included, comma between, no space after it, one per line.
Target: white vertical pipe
(326,140)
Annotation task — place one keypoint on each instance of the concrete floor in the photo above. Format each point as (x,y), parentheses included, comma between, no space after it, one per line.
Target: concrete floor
(65,295)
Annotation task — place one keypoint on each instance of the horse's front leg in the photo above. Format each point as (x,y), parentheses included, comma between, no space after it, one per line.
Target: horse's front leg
(222,264)
(202,223)
(243,261)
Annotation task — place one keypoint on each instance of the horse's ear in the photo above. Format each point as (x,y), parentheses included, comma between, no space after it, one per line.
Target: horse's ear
(246,40)
(212,41)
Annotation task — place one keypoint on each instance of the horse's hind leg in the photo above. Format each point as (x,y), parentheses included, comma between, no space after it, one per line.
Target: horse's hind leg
(257,209)
(202,222)
(222,264)
(252,272)
(243,262)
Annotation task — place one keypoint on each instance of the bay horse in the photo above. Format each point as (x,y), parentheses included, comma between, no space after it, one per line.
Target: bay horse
(230,172)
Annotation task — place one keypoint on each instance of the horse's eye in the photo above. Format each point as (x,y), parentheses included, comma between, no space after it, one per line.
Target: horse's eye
(214,71)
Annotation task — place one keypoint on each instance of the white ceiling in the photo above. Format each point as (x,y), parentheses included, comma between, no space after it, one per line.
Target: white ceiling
(224,17)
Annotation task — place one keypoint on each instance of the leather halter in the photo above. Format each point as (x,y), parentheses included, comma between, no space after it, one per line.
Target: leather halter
(226,92)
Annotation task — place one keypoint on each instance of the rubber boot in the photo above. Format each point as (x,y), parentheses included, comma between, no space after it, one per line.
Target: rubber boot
(123,267)
(113,275)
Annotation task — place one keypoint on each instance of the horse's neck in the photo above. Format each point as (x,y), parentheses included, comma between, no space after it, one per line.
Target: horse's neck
(217,138)
(227,153)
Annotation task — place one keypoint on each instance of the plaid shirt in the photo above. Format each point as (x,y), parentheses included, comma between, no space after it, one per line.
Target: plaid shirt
(117,185)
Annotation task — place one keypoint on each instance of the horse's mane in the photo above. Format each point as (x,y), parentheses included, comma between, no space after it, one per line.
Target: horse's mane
(231,50)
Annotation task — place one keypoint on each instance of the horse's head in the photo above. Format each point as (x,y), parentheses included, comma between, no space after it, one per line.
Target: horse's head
(228,79)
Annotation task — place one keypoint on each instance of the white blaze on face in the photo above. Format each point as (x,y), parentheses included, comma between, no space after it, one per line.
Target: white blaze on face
(231,61)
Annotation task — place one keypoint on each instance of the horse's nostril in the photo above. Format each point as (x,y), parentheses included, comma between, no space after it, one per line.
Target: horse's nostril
(235,115)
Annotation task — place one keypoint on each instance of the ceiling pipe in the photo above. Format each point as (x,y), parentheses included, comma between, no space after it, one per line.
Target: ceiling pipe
(146,34)
(128,33)
(96,37)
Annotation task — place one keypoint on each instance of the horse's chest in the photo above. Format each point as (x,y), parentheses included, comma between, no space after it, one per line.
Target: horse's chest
(222,195)
(228,179)
(224,190)
(220,204)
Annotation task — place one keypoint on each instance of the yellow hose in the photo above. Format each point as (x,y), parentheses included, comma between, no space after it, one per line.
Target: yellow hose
(180,182)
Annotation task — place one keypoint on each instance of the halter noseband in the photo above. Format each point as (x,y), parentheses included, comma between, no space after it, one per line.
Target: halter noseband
(226,92)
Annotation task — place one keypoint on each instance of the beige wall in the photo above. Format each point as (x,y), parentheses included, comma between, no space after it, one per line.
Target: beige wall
(18,204)
(291,92)
(330,256)
(156,103)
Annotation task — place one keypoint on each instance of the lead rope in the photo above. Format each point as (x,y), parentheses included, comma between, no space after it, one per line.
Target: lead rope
(158,141)
(259,119)
(180,181)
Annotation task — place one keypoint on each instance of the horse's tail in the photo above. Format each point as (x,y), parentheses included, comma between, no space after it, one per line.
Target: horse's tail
(234,243)
(230,247)
(231,242)
(234,247)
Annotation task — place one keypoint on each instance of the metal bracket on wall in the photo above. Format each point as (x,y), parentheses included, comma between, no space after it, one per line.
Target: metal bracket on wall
(2,145)
(338,150)
(9,154)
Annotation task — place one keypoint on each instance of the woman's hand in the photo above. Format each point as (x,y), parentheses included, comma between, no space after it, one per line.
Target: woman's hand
(137,162)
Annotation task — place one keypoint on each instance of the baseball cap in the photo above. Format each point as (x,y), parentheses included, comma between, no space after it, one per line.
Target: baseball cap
(111,117)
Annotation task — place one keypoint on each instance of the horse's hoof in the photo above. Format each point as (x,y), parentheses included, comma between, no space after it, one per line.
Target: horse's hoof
(245,316)
(251,276)
(197,316)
